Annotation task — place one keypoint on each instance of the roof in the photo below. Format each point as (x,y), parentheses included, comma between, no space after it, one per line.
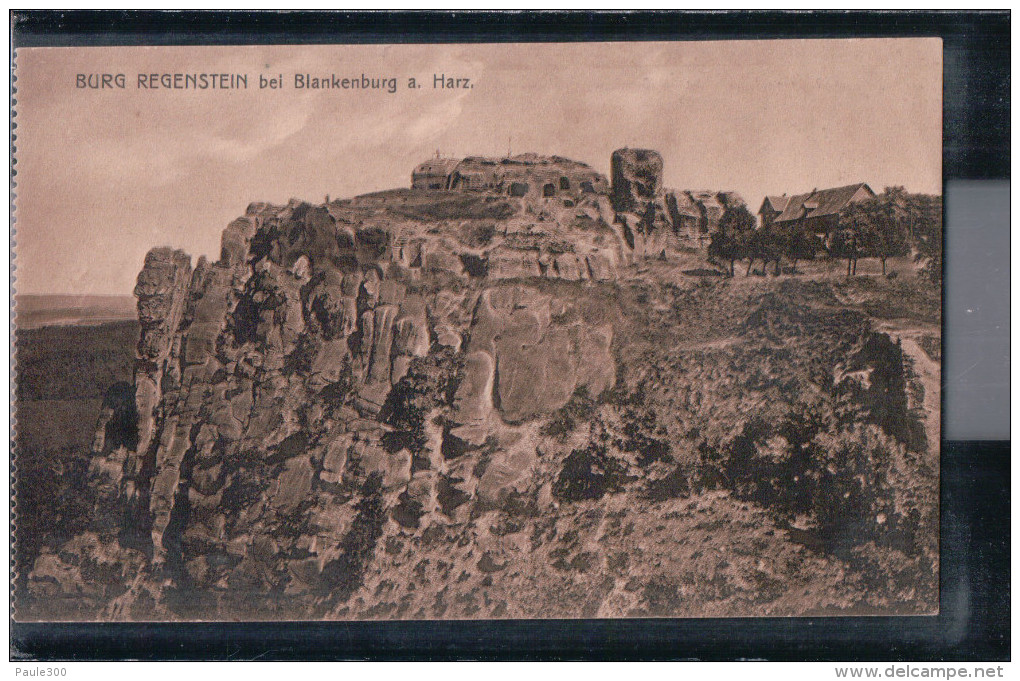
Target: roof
(437,166)
(820,202)
(778,203)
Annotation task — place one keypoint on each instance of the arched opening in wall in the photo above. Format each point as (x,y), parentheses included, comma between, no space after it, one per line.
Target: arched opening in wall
(474,265)
(518,188)
(564,183)
(587,188)
(549,190)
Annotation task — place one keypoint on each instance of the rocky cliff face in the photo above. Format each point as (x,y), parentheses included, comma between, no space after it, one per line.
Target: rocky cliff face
(411,404)
(331,350)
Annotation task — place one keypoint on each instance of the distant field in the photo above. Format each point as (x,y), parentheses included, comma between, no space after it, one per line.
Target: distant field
(74,362)
(62,374)
(35,311)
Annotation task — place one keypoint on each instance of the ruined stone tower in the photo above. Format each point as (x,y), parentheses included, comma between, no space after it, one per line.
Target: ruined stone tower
(636,178)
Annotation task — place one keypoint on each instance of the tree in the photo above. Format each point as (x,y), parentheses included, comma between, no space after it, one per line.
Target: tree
(879,227)
(880,224)
(729,242)
(889,242)
(737,220)
(862,231)
(925,214)
(726,247)
(845,244)
(766,245)
(801,244)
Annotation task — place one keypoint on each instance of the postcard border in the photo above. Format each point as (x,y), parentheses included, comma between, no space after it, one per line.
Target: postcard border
(974,620)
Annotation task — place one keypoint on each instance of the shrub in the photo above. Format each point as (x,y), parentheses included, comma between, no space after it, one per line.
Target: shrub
(661,596)
(408,511)
(854,499)
(674,485)
(345,575)
(588,474)
(883,400)
(643,435)
(482,234)
(475,265)
(580,407)
(243,492)
(430,382)
(293,445)
(342,391)
(303,355)
(857,485)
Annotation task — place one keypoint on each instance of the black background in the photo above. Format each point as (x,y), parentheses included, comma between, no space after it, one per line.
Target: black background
(973,623)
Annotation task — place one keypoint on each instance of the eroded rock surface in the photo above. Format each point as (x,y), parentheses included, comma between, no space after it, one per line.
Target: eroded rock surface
(396,384)
(303,372)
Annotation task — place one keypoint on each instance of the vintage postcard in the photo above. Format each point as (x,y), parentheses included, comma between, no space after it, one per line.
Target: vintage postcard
(487,331)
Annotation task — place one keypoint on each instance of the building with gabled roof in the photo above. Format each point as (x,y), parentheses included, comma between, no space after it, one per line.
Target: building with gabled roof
(771,208)
(817,210)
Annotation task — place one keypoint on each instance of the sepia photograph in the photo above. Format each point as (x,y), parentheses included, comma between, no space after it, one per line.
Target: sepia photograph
(478,331)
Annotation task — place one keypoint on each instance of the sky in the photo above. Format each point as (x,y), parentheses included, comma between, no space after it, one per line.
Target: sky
(103,175)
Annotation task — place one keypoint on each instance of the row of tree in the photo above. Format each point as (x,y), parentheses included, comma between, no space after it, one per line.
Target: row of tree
(893,224)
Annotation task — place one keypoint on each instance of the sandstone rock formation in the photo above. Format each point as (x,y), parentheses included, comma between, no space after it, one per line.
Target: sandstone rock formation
(520,175)
(309,363)
(392,379)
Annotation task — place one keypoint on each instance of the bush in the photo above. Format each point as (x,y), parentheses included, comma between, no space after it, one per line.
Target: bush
(340,393)
(864,492)
(640,428)
(580,407)
(295,444)
(301,358)
(589,474)
(672,486)
(883,400)
(345,575)
(747,470)
(408,511)
(243,492)
(661,597)
(430,382)
(857,485)
(475,265)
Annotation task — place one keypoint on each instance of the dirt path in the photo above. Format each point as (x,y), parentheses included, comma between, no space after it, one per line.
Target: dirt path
(928,371)
(930,374)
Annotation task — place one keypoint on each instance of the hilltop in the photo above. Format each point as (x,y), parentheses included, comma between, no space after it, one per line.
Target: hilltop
(522,392)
